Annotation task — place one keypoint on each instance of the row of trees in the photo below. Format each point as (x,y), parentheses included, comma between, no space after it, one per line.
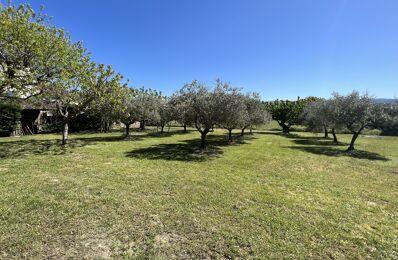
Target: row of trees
(40,63)
(353,112)
(195,105)
(221,106)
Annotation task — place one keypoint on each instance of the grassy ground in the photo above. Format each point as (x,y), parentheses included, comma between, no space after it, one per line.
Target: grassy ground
(296,196)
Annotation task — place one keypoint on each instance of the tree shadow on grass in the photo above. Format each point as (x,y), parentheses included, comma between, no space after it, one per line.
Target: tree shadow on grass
(318,141)
(187,150)
(157,134)
(329,151)
(22,148)
(325,146)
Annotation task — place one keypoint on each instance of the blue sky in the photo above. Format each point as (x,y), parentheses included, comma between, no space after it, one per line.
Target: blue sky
(280,48)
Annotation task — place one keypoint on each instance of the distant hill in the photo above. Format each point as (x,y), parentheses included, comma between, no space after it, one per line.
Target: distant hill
(385,101)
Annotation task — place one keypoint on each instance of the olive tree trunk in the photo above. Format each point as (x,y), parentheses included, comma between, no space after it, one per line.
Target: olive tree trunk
(242,132)
(230,135)
(127,134)
(354,138)
(285,128)
(203,143)
(326,132)
(142,125)
(65,133)
(334,136)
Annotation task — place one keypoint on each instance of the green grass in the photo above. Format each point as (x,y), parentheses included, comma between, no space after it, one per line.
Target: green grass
(274,196)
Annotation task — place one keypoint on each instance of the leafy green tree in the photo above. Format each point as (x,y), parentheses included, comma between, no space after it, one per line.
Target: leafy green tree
(288,113)
(139,105)
(107,107)
(84,84)
(146,103)
(33,52)
(128,111)
(322,115)
(356,112)
(203,108)
(165,112)
(179,109)
(256,113)
(388,124)
(234,110)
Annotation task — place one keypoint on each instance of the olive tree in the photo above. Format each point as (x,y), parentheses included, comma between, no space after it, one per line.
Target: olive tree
(108,106)
(203,108)
(146,104)
(165,112)
(234,110)
(355,112)
(388,124)
(127,113)
(256,113)
(321,116)
(179,109)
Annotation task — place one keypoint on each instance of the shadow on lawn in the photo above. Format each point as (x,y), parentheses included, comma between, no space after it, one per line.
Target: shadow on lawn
(186,150)
(329,151)
(21,148)
(324,146)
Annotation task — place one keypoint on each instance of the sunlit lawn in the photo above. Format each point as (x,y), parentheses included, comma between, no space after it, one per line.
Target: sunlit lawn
(271,195)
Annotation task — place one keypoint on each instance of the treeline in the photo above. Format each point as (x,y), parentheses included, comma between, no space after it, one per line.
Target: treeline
(196,105)
(352,112)
(39,63)
(341,113)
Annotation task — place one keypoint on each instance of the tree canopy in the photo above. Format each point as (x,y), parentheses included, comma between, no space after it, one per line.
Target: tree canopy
(287,113)
(33,52)
(355,112)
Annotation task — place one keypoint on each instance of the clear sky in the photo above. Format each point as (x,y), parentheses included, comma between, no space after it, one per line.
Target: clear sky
(280,48)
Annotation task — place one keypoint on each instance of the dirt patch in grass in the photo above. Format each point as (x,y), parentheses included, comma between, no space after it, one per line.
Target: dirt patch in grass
(167,239)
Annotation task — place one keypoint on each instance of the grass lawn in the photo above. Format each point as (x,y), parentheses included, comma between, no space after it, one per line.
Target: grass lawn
(271,195)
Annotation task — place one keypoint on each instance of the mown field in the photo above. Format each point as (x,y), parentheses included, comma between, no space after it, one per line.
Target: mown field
(155,196)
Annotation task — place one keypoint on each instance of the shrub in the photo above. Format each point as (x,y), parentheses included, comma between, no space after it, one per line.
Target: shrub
(10,114)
